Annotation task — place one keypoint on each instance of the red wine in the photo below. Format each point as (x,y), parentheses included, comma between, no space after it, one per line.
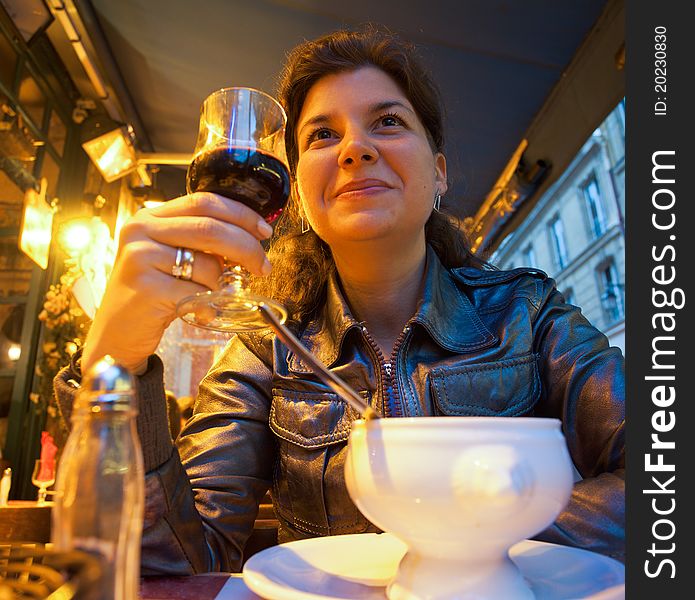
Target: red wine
(248,175)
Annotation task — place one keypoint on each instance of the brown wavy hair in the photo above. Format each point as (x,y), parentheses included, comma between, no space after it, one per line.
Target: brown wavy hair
(302,262)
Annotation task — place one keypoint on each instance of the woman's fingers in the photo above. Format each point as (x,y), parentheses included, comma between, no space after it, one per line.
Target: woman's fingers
(207,223)
(205,204)
(213,236)
(206,271)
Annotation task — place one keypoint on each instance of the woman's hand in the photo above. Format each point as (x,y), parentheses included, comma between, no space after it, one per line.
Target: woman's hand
(141,295)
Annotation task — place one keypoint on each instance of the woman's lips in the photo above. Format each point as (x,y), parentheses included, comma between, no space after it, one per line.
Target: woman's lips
(362,188)
(368,191)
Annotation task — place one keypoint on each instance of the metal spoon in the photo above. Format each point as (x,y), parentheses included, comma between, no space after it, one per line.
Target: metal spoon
(335,383)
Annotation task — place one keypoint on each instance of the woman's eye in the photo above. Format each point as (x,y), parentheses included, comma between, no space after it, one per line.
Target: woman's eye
(391,121)
(320,134)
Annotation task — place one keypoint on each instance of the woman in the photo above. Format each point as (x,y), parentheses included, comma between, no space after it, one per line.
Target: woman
(382,290)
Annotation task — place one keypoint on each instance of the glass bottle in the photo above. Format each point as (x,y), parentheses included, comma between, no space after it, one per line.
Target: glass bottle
(100,484)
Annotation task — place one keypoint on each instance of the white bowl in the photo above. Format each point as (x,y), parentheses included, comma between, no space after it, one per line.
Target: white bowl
(459,491)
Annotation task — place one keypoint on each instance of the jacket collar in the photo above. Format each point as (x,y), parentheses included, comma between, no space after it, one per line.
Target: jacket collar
(444,312)
(324,334)
(447,313)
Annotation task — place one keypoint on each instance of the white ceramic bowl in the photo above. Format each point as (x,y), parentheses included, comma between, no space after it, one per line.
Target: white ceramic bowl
(459,491)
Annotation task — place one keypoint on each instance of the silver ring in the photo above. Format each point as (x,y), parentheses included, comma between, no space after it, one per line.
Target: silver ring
(183,267)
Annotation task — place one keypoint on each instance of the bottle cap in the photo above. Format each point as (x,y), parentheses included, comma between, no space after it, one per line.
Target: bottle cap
(107,384)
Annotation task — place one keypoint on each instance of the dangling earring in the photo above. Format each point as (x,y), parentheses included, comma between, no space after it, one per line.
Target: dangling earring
(306,227)
(437,201)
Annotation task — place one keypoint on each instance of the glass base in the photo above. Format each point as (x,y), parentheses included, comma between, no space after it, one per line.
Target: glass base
(228,312)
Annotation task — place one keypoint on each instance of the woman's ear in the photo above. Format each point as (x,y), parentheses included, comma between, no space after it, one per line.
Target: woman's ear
(440,181)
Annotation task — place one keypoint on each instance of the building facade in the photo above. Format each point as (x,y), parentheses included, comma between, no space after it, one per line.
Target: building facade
(576,231)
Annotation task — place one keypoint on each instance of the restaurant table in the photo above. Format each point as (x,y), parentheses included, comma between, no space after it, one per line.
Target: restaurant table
(25,521)
(209,586)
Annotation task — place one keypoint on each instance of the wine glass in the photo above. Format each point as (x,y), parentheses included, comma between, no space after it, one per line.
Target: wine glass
(43,476)
(240,154)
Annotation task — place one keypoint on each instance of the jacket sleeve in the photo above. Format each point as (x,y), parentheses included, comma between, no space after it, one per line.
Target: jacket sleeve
(583,383)
(203,501)
(152,422)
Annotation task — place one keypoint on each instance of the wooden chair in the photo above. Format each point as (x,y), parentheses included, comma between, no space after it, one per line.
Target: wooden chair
(29,570)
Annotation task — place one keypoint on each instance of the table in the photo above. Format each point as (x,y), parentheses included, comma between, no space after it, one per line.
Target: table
(25,521)
(209,586)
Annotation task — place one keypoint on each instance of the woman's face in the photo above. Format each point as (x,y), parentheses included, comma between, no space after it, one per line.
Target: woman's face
(366,170)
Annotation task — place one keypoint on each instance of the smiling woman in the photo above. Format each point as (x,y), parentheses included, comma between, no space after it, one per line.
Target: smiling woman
(393,98)
(383,290)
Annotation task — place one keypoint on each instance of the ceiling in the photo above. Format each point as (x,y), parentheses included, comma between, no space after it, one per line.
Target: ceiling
(502,65)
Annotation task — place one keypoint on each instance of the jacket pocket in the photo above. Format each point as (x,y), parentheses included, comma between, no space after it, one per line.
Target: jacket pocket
(311,419)
(504,388)
(309,482)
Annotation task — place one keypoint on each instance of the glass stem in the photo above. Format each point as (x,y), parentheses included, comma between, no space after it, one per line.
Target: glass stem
(234,278)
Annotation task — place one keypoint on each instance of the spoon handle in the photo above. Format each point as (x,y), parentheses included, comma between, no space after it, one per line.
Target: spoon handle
(336,384)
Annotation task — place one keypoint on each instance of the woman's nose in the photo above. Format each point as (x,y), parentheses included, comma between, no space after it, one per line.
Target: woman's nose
(357,149)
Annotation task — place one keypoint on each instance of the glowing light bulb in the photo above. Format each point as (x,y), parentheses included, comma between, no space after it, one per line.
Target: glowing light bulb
(14,352)
(75,236)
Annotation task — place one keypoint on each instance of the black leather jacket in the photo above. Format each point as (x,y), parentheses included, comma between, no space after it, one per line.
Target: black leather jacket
(481,343)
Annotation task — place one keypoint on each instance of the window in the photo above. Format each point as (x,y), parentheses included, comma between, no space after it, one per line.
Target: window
(557,234)
(620,111)
(528,257)
(594,204)
(611,293)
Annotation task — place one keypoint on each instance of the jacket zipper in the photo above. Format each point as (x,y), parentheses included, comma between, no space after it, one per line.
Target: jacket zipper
(391,398)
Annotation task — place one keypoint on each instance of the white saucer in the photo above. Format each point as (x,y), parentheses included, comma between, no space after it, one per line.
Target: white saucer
(359,566)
